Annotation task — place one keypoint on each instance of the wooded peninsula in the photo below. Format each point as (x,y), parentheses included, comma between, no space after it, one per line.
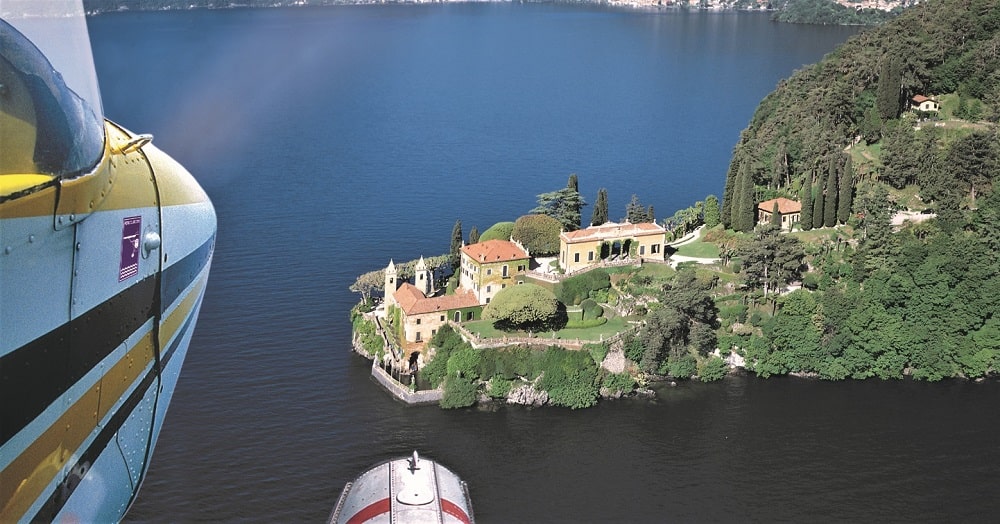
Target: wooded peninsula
(858,237)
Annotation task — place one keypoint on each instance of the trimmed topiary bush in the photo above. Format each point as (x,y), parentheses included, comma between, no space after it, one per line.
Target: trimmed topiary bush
(498,231)
(575,290)
(591,309)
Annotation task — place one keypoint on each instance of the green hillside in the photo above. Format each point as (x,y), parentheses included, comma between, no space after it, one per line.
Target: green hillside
(881,298)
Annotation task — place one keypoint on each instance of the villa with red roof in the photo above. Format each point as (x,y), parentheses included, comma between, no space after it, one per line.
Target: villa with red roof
(585,247)
(790,211)
(422,310)
(487,267)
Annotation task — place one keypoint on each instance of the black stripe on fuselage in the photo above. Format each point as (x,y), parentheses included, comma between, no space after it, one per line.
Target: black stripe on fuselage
(39,372)
(86,460)
(177,277)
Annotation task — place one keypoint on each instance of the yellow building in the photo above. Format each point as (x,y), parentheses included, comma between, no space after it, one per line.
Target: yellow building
(610,241)
(422,310)
(487,267)
(423,316)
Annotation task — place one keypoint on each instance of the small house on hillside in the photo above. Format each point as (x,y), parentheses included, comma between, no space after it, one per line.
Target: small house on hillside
(790,211)
(923,103)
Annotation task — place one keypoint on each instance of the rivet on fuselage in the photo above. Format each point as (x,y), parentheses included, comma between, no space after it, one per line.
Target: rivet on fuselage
(31,239)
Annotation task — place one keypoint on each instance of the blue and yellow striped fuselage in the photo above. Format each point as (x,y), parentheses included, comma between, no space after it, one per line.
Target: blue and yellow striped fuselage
(101,279)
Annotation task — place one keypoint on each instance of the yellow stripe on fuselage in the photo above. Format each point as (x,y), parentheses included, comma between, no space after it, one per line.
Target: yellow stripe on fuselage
(11,183)
(108,186)
(25,479)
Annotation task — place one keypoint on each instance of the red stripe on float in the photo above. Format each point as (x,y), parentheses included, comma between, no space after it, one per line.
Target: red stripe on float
(454,510)
(371,511)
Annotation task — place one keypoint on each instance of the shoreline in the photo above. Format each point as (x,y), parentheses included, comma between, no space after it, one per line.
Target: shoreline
(652,6)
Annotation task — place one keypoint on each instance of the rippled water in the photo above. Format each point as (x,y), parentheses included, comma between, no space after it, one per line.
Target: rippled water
(333,139)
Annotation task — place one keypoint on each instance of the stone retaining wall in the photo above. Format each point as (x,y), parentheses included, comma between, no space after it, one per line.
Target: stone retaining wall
(403,392)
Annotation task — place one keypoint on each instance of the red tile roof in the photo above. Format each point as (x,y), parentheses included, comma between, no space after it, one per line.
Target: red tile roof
(413,301)
(610,230)
(495,251)
(920,98)
(785,205)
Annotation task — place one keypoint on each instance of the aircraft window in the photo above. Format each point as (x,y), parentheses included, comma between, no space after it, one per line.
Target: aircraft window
(44,126)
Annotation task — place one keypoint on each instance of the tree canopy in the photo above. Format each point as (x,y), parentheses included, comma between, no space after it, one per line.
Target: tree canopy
(498,231)
(539,234)
(564,205)
(524,306)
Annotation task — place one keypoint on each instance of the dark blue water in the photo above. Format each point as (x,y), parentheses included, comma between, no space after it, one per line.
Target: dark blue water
(333,139)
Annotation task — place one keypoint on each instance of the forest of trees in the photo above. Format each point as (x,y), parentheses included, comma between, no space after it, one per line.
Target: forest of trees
(828,12)
(920,300)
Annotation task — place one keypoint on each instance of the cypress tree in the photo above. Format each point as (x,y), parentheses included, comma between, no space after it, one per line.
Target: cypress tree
(779,174)
(805,219)
(830,202)
(474,235)
(712,213)
(456,245)
(817,213)
(890,80)
(744,202)
(727,194)
(650,216)
(600,214)
(846,200)
(575,203)
(775,215)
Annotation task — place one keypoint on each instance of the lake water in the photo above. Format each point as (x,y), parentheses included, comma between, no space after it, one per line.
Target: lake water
(334,139)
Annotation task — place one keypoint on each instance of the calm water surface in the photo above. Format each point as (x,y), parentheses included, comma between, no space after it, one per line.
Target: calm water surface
(333,139)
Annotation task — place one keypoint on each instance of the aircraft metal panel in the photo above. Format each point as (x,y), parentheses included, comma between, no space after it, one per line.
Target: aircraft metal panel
(101,247)
(35,269)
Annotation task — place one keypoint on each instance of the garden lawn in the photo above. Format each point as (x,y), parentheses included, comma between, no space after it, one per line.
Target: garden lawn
(485,329)
(699,250)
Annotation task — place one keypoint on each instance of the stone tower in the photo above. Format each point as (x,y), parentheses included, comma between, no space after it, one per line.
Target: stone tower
(423,278)
(390,284)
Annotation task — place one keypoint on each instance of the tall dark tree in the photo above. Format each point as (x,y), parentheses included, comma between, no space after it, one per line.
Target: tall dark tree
(474,235)
(563,205)
(712,213)
(780,171)
(830,201)
(879,247)
(728,190)
(974,160)
(771,260)
(775,215)
(890,80)
(650,215)
(744,201)
(806,198)
(635,213)
(818,201)
(901,158)
(600,214)
(846,194)
(456,245)
(573,183)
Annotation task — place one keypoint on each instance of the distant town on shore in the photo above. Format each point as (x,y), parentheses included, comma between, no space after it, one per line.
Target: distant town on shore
(847,12)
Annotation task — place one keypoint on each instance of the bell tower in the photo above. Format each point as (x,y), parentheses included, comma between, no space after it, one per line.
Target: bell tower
(390,284)
(423,278)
